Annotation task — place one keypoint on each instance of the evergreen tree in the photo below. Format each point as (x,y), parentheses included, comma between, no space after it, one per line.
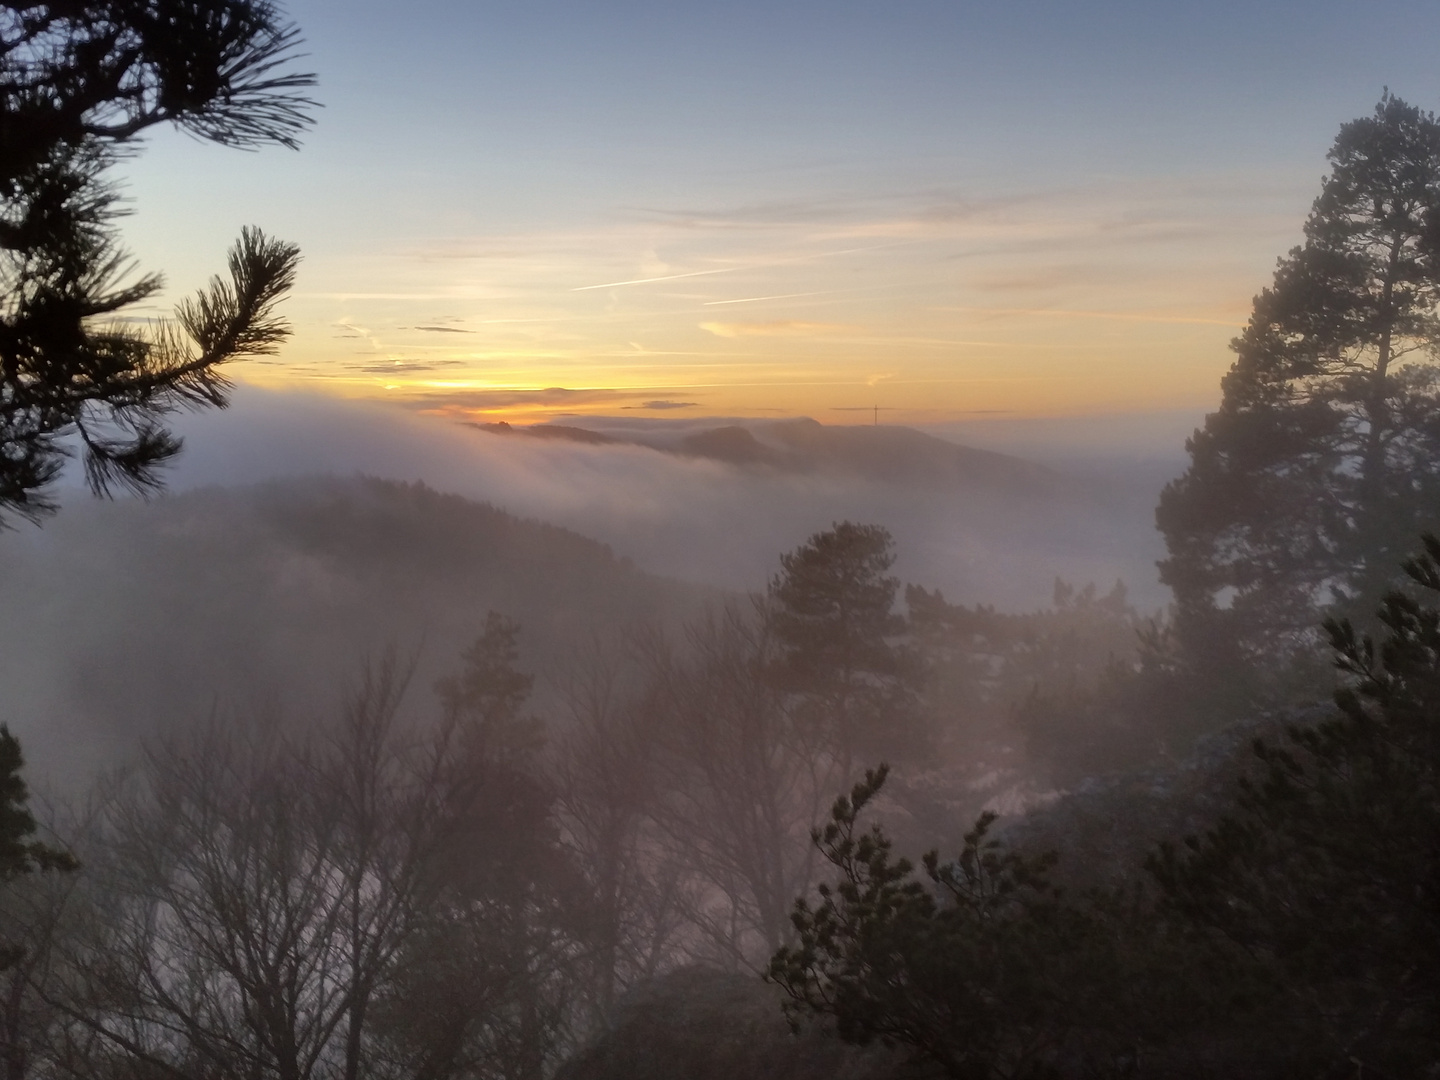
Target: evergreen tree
(836,627)
(1323,461)
(977,966)
(1324,884)
(78,82)
(486,701)
(20,852)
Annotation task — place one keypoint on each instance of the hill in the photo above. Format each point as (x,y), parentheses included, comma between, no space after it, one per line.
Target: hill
(889,454)
(123,617)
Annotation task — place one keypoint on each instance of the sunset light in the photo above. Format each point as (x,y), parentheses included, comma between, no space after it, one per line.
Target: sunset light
(843,211)
(750,540)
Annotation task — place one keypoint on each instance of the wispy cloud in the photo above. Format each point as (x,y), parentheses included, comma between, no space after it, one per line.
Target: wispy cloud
(777,296)
(480,399)
(1116,316)
(911,283)
(775,328)
(407,367)
(663,277)
(660,406)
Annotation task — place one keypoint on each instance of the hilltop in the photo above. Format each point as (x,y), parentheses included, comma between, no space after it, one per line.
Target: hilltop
(888,454)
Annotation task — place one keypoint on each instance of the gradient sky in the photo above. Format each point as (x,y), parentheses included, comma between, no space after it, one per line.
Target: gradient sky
(946,210)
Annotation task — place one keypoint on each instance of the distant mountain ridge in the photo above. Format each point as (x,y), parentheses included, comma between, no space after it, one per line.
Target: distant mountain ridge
(890,453)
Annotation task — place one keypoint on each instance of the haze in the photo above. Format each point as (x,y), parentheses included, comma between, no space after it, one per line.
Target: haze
(779,540)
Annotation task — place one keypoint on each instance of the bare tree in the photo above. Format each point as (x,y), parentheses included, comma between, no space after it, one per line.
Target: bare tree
(273,905)
(605,768)
(743,783)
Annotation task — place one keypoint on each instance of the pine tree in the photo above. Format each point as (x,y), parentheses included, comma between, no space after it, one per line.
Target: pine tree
(78,82)
(837,629)
(1324,882)
(977,966)
(1323,461)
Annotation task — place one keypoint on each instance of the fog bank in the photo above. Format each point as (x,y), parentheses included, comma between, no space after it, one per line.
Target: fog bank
(711,522)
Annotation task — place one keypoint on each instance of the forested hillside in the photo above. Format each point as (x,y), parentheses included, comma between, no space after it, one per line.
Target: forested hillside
(125,619)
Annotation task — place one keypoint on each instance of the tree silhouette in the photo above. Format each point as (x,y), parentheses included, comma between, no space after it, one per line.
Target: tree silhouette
(835,627)
(1323,461)
(979,967)
(77,83)
(1324,879)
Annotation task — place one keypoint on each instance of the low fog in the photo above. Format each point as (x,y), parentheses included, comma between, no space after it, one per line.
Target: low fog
(390,740)
(129,617)
(545,717)
(709,522)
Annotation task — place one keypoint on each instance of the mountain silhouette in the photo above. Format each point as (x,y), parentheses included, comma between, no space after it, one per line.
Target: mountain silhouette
(890,454)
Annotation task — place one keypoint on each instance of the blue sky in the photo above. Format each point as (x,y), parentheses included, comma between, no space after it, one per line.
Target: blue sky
(952,209)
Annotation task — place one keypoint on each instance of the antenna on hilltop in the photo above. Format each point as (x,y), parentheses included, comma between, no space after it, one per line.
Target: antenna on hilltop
(874,410)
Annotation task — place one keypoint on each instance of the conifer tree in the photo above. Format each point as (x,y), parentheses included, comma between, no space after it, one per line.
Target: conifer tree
(1307,486)
(78,83)
(837,629)
(1324,882)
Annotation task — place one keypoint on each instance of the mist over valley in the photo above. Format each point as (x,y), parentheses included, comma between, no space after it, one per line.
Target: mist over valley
(294,542)
(719,543)
(715,502)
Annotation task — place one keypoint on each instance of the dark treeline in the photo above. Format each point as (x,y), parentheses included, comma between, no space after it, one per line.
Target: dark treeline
(1295,936)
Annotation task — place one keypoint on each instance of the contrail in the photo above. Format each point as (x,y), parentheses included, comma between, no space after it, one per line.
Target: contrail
(731,269)
(645,280)
(779,296)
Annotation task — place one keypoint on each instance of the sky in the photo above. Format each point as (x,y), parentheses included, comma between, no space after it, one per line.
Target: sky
(948,211)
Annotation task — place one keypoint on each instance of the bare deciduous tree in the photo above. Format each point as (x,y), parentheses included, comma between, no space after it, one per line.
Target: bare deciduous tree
(606,778)
(317,906)
(744,783)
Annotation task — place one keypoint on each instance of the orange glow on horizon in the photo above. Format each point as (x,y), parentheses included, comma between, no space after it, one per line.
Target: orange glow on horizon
(1093,302)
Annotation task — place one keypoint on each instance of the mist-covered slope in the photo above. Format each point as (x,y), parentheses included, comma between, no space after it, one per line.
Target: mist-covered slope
(120,618)
(889,454)
(718,503)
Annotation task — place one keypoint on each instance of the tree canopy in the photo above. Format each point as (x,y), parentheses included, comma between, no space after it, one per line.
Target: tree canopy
(835,626)
(1308,485)
(1297,935)
(1324,880)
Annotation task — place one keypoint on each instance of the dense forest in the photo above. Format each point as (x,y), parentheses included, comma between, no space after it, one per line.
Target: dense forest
(403,786)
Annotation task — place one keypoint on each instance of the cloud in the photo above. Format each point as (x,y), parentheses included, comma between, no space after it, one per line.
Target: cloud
(482,398)
(441,329)
(777,296)
(776,328)
(1115,316)
(663,277)
(406,367)
(660,405)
